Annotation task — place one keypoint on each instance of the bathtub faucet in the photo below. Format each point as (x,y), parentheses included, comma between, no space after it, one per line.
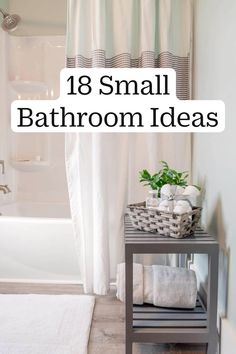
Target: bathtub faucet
(4,188)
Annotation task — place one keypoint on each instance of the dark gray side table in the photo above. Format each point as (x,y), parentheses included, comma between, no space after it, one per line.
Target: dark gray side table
(150,324)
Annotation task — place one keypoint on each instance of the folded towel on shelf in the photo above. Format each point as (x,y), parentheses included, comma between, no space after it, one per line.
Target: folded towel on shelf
(137,283)
(174,287)
(148,284)
(162,286)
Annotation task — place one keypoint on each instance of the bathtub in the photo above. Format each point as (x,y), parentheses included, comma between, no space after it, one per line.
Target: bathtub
(37,244)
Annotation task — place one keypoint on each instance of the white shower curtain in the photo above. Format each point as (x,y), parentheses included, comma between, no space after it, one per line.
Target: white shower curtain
(102,169)
(3,93)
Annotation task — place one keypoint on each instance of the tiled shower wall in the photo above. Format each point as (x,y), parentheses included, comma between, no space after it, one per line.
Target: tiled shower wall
(8,177)
(33,63)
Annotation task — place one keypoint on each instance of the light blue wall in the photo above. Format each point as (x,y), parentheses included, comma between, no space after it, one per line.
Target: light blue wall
(214,154)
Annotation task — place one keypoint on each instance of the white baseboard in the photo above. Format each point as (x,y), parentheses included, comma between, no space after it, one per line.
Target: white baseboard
(40,281)
(228,337)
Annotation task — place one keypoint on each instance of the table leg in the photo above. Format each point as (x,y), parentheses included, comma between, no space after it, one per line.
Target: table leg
(129,298)
(212,299)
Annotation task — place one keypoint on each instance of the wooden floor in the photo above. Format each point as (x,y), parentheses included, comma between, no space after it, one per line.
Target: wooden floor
(107,332)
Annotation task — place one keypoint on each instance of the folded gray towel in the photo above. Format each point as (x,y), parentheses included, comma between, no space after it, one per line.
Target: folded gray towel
(174,287)
(162,286)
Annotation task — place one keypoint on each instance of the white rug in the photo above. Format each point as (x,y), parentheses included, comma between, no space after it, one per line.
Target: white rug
(45,324)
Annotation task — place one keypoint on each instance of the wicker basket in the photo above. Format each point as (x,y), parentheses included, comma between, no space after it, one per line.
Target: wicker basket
(164,223)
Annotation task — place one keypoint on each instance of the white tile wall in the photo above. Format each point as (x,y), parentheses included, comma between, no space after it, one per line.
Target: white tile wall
(38,60)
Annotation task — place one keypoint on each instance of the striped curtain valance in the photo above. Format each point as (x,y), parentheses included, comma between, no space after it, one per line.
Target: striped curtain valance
(147,60)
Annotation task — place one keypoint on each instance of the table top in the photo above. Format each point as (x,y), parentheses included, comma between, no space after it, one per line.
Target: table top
(135,236)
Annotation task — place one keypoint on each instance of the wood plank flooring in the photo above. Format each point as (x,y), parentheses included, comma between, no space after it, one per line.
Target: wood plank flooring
(108,331)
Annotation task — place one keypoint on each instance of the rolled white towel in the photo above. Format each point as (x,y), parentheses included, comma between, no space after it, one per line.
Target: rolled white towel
(169,189)
(166,189)
(163,206)
(184,203)
(174,287)
(147,284)
(166,205)
(137,283)
(179,190)
(191,191)
(182,207)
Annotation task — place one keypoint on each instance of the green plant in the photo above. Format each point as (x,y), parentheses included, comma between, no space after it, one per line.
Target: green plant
(165,176)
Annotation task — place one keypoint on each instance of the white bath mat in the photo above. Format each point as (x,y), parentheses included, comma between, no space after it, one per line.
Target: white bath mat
(45,324)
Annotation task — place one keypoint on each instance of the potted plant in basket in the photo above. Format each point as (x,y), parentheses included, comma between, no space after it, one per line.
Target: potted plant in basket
(168,209)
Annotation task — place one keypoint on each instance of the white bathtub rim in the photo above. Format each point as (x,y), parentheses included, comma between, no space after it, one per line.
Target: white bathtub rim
(38,210)
(35,219)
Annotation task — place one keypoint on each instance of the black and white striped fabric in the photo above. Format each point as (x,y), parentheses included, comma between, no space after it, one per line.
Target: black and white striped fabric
(147,60)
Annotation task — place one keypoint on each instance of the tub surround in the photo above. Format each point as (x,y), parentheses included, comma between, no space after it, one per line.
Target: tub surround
(35,159)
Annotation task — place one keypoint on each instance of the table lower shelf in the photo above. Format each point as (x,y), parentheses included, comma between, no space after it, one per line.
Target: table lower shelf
(148,316)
